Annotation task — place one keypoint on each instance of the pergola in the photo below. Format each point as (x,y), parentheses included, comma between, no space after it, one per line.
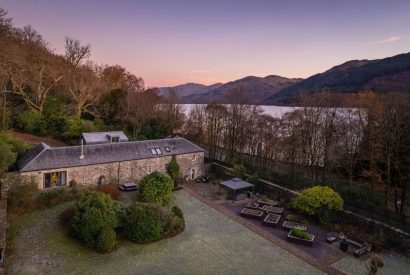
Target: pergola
(235,185)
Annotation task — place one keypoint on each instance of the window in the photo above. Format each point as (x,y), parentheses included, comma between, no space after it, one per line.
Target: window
(166,167)
(150,169)
(193,174)
(167,149)
(158,151)
(115,139)
(194,157)
(55,179)
(174,148)
(153,151)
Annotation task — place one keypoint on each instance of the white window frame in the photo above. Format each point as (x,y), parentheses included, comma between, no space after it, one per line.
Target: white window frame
(194,157)
(153,151)
(149,169)
(159,152)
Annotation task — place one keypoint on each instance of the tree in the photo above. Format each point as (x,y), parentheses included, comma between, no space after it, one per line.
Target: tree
(321,201)
(173,169)
(75,53)
(85,88)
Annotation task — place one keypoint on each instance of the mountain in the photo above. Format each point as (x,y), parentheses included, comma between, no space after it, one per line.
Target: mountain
(190,89)
(390,74)
(255,88)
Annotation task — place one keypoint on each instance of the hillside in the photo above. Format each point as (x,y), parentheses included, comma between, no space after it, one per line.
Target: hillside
(255,88)
(390,74)
(191,89)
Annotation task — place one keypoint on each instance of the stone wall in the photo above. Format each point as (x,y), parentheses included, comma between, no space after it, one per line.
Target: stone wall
(125,171)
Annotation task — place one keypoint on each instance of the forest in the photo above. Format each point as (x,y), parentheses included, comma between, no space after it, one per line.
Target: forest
(364,147)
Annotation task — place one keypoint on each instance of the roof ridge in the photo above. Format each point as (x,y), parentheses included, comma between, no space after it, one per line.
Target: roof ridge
(117,143)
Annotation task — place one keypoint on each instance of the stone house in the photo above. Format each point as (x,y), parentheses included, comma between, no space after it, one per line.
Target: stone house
(118,162)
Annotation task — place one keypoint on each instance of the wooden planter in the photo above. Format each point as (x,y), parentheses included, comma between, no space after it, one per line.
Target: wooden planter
(290,225)
(272,209)
(253,205)
(294,239)
(271,220)
(268,202)
(251,213)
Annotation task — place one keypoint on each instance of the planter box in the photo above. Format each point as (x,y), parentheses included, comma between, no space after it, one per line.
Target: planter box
(290,225)
(272,209)
(253,205)
(294,239)
(268,202)
(251,213)
(271,220)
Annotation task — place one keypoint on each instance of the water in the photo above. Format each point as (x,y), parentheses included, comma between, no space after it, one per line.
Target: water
(274,111)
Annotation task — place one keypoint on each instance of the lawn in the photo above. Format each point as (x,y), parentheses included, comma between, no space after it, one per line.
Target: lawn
(210,244)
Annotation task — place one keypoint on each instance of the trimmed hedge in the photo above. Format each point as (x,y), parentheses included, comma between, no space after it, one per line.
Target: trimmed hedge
(156,188)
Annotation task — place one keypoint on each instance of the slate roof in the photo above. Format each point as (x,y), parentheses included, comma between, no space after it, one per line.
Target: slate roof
(43,157)
(103,137)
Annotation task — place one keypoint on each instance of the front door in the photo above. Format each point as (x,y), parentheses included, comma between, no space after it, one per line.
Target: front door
(193,174)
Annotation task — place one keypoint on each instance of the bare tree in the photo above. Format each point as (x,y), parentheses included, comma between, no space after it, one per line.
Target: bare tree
(75,53)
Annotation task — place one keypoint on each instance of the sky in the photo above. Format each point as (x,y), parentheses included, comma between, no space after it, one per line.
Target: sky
(172,42)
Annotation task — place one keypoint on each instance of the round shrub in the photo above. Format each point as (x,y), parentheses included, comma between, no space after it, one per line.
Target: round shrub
(106,240)
(143,223)
(156,188)
(321,201)
(93,212)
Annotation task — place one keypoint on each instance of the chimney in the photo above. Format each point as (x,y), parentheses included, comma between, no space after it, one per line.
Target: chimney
(82,149)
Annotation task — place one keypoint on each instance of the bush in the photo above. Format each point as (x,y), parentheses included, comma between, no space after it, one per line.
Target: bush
(93,212)
(143,223)
(321,201)
(111,190)
(106,240)
(32,122)
(66,216)
(239,171)
(70,127)
(50,198)
(300,234)
(173,168)
(156,188)
(21,196)
(177,212)
(297,218)
(176,222)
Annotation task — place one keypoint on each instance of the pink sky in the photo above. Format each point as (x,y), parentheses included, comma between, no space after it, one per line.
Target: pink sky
(174,42)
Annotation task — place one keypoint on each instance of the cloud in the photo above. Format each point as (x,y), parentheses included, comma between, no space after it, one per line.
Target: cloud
(384,41)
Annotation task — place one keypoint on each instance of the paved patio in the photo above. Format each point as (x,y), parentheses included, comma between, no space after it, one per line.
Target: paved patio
(325,257)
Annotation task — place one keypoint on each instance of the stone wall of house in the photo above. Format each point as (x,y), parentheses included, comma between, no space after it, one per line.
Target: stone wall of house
(125,171)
